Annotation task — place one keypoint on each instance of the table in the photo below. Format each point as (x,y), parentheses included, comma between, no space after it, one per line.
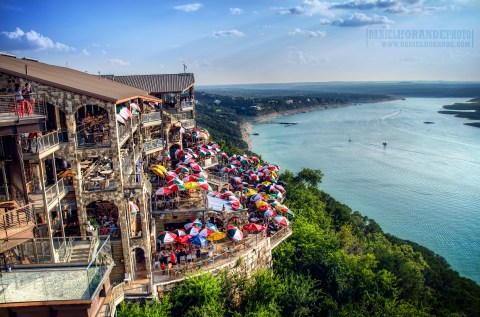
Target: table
(107,172)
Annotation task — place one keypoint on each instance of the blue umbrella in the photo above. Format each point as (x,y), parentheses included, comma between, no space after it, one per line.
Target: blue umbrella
(199,240)
(211,226)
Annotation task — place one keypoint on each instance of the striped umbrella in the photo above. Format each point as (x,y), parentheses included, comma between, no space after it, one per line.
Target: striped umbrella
(252,227)
(199,240)
(205,232)
(185,239)
(163,191)
(281,220)
(211,226)
(179,232)
(234,233)
(193,231)
(166,237)
(194,222)
(133,207)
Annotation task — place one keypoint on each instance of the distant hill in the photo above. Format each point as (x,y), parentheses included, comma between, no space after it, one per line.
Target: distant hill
(399,89)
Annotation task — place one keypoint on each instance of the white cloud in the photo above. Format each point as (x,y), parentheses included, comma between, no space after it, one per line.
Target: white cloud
(357,19)
(310,7)
(104,52)
(299,57)
(308,33)
(325,22)
(191,7)
(85,52)
(33,40)
(118,61)
(236,11)
(232,32)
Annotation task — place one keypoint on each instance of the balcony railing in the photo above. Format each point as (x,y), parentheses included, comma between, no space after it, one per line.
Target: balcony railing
(153,145)
(96,139)
(40,144)
(55,283)
(51,193)
(132,180)
(208,162)
(151,117)
(11,109)
(105,185)
(13,221)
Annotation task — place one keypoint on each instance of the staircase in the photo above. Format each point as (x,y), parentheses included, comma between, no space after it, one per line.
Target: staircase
(80,252)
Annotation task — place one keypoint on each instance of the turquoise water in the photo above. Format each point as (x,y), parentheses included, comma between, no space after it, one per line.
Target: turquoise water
(423,186)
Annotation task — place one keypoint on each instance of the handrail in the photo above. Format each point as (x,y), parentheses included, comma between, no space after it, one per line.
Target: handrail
(17,218)
(51,193)
(16,109)
(117,294)
(39,144)
(93,244)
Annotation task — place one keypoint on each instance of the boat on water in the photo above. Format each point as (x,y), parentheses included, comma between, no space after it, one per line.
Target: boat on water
(385,142)
(255,133)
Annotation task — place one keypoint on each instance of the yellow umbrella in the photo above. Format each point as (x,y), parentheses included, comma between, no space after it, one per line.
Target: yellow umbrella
(216,236)
(251,192)
(157,171)
(191,185)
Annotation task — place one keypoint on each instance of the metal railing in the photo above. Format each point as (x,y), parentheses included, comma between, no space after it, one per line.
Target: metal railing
(12,220)
(117,295)
(42,143)
(151,117)
(209,161)
(132,180)
(155,144)
(51,192)
(218,179)
(96,139)
(99,186)
(189,123)
(11,109)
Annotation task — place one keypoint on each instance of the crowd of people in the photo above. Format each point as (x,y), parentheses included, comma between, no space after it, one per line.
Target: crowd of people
(176,255)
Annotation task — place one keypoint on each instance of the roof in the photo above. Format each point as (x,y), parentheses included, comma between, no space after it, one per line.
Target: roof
(157,84)
(71,80)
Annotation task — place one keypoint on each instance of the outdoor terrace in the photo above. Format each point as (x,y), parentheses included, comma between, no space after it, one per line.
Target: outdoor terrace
(52,193)
(15,221)
(37,146)
(39,278)
(151,119)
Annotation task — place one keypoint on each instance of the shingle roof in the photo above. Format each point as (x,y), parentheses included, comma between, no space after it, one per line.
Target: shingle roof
(157,84)
(71,80)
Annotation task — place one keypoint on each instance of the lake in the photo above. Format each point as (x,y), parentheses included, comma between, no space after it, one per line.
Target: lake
(423,186)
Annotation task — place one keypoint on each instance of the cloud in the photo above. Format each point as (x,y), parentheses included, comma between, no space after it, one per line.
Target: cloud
(104,52)
(118,61)
(357,19)
(367,4)
(21,40)
(310,34)
(85,52)
(299,57)
(232,32)
(390,6)
(191,7)
(236,11)
(310,7)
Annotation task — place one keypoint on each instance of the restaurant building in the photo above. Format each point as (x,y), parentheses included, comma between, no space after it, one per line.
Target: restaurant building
(78,206)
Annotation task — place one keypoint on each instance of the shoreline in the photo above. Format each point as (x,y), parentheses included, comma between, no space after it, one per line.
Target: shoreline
(247,125)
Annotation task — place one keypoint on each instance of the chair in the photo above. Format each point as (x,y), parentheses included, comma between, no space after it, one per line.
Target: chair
(127,278)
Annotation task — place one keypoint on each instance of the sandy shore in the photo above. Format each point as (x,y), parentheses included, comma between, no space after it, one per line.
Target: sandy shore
(247,126)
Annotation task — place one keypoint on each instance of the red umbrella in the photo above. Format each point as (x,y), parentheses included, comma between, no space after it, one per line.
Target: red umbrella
(252,227)
(163,191)
(185,239)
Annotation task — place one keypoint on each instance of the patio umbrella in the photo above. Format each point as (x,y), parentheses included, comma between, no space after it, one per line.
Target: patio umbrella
(166,237)
(199,240)
(190,178)
(191,185)
(181,169)
(205,232)
(269,213)
(252,227)
(211,226)
(163,191)
(185,239)
(193,231)
(120,119)
(281,220)
(179,232)
(176,187)
(194,222)
(234,233)
(216,236)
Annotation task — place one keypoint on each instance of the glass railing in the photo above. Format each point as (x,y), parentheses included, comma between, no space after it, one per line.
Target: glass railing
(151,117)
(155,144)
(53,282)
(51,192)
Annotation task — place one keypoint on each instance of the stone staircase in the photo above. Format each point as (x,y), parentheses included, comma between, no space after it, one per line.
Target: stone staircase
(80,252)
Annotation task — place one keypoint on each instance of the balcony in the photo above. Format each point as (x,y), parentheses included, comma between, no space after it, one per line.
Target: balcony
(16,222)
(124,131)
(54,281)
(133,181)
(16,111)
(96,139)
(208,162)
(50,194)
(194,201)
(37,147)
(151,119)
(152,146)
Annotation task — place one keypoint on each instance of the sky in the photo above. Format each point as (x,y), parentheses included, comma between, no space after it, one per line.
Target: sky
(251,41)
